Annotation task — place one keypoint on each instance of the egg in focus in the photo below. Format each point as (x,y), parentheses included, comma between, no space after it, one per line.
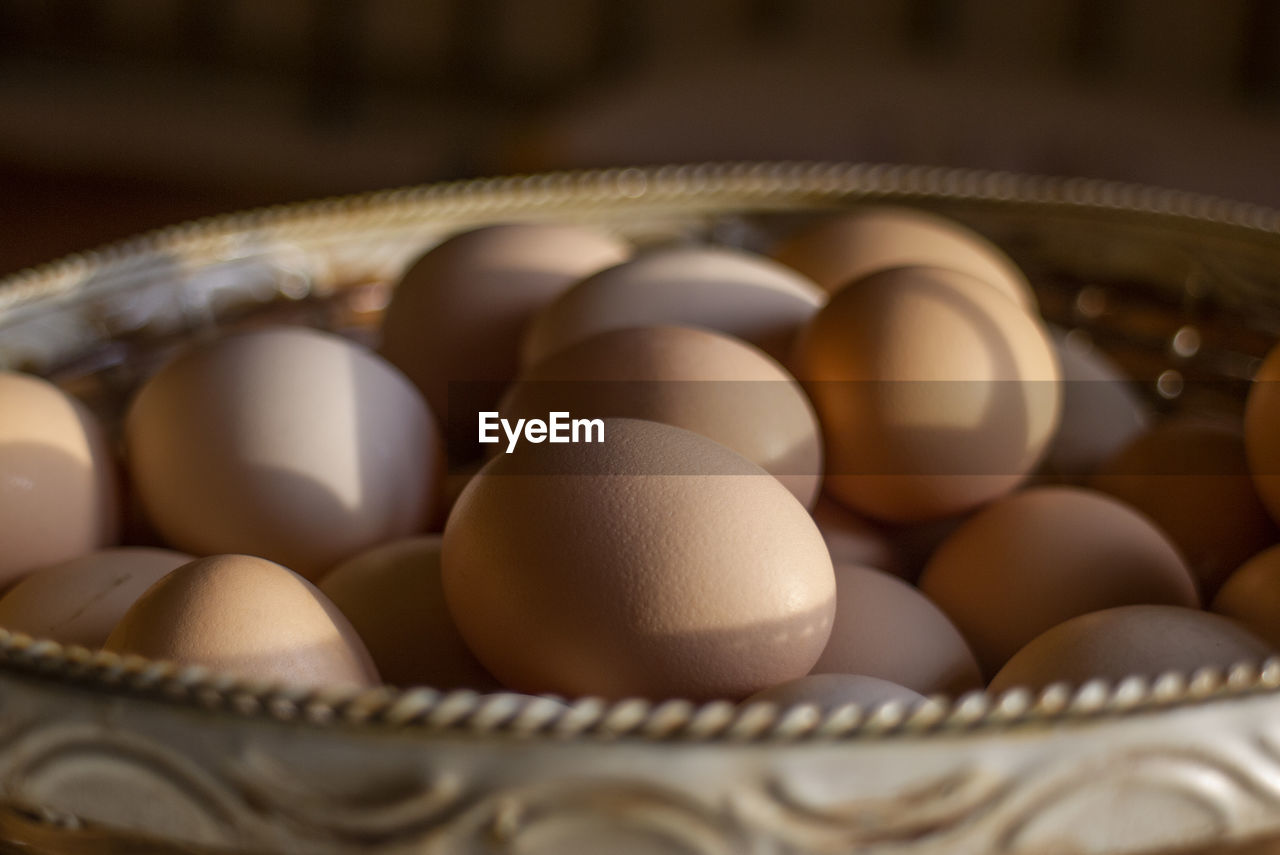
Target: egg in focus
(657,564)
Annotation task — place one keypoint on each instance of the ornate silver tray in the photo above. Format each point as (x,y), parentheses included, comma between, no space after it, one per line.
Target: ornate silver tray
(100,753)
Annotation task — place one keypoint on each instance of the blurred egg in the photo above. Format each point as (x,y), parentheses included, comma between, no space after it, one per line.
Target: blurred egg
(459,312)
(743,295)
(393,597)
(696,379)
(1140,640)
(842,249)
(1251,595)
(936,393)
(1192,479)
(1035,559)
(247,616)
(288,443)
(1262,432)
(886,628)
(1101,411)
(80,601)
(854,540)
(828,691)
(655,564)
(58,487)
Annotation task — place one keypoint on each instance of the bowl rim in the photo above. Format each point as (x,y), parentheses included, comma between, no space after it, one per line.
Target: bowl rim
(716,187)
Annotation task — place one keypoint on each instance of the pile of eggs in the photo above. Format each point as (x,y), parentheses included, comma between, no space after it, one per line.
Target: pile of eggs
(860,469)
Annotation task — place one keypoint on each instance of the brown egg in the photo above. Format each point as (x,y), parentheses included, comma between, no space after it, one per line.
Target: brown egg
(80,601)
(886,628)
(839,250)
(288,443)
(829,691)
(460,311)
(1101,411)
(854,540)
(1144,641)
(58,487)
(393,597)
(696,379)
(1042,556)
(1251,595)
(657,563)
(247,616)
(935,392)
(734,292)
(1262,432)
(1192,479)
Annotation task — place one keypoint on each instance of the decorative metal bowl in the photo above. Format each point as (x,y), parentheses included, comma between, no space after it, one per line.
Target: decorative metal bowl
(100,753)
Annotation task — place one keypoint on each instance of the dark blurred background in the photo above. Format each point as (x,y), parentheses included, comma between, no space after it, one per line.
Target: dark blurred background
(122,115)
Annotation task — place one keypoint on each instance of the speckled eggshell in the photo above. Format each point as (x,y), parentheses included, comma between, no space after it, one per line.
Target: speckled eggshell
(828,691)
(696,379)
(886,628)
(80,601)
(936,393)
(247,616)
(460,310)
(59,491)
(288,443)
(656,564)
(1262,432)
(1127,641)
(393,597)
(837,251)
(1191,477)
(744,295)
(1035,559)
(1251,595)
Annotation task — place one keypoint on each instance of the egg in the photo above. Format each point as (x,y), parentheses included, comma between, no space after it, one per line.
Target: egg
(247,616)
(393,597)
(828,691)
(1101,411)
(657,563)
(851,539)
(936,393)
(737,293)
(886,628)
(696,379)
(80,601)
(288,443)
(59,494)
(1138,640)
(1191,477)
(1035,559)
(1262,432)
(1251,595)
(842,249)
(459,312)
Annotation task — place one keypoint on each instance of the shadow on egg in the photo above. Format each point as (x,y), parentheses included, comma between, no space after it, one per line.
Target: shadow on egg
(931,447)
(715,662)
